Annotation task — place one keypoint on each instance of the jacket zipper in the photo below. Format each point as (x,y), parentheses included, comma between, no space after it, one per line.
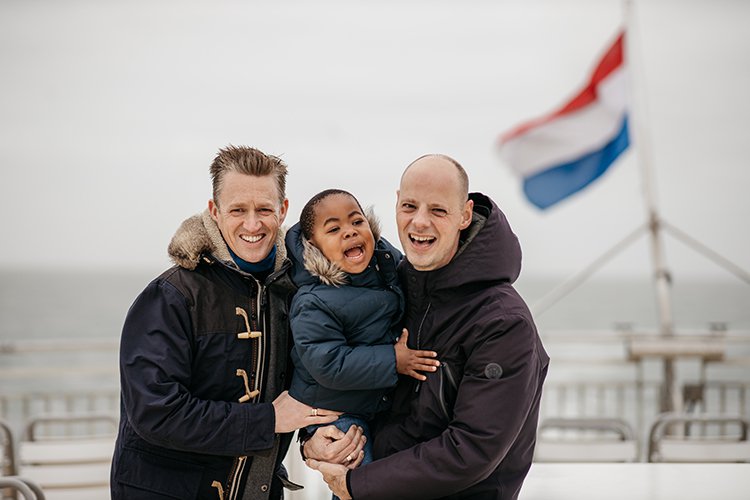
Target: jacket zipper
(260,355)
(234,478)
(257,363)
(421,323)
(419,340)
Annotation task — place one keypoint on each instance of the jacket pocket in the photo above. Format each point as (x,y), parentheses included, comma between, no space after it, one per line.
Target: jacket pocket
(158,474)
(447,391)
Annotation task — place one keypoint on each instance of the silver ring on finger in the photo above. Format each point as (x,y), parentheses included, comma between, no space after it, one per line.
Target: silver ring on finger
(348,458)
(313,412)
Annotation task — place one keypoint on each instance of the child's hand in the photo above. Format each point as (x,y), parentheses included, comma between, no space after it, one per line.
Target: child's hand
(410,361)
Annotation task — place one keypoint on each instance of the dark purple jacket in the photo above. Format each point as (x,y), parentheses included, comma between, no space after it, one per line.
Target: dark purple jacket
(469,430)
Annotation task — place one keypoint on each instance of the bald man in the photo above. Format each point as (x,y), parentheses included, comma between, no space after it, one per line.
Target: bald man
(468,431)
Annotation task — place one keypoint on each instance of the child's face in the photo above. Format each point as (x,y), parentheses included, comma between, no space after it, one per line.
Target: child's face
(342,233)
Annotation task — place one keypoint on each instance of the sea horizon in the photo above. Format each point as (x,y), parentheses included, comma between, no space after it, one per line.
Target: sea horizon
(38,304)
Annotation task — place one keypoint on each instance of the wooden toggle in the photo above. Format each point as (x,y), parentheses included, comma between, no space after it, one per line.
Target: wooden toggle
(220,489)
(248,393)
(248,334)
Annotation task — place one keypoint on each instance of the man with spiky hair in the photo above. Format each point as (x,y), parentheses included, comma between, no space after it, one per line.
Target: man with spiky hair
(204,350)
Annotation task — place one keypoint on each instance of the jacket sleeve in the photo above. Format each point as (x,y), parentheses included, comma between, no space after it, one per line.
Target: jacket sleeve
(489,414)
(156,355)
(322,347)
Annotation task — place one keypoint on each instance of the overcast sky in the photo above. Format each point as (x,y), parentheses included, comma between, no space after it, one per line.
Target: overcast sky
(110,113)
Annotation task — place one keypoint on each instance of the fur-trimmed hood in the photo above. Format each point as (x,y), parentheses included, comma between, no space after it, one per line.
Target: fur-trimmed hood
(199,236)
(310,265)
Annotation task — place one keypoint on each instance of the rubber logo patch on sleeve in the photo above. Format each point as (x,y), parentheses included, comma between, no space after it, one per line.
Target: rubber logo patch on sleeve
(493,370)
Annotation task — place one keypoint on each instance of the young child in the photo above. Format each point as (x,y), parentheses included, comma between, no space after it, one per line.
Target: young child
(346,314)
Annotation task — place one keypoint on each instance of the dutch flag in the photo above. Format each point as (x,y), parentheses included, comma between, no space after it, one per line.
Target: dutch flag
(564,151)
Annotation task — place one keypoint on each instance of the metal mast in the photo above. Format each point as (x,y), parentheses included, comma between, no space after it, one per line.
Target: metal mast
(670,400)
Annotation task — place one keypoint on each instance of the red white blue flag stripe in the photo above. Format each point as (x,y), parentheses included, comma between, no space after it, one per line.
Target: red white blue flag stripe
(561,153)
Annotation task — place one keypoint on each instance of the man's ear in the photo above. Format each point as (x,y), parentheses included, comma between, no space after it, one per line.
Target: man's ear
(466,214)
(283,211)
(213,209)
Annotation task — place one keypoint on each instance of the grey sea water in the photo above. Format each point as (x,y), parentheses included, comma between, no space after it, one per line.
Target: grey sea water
(68,323)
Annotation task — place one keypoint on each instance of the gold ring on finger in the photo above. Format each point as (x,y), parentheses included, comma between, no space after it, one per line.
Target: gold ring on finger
(314,412)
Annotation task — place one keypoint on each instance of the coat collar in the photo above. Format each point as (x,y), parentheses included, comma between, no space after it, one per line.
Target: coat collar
(199,236)
(488,251)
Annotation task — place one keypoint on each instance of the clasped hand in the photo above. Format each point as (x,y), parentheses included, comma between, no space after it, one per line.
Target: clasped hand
(332,452)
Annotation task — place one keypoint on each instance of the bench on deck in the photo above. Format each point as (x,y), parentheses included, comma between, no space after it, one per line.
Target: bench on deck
(69,466)
(15,485)
(685,446)
(585,440)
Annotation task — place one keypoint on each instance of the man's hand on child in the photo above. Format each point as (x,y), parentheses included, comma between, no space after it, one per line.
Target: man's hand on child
(292,415)
(411,361)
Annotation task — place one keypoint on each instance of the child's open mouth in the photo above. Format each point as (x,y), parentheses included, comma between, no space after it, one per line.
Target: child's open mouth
(354,253)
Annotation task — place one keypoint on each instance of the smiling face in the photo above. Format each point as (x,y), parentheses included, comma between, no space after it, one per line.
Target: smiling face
(431,212)
(341,232)
(249,214)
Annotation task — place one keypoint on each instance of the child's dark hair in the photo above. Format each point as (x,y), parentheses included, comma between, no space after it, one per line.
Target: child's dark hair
(307,217)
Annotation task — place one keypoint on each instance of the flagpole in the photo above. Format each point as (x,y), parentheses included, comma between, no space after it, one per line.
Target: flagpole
(670,400)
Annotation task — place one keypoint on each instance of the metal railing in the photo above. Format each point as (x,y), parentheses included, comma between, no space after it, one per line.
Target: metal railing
(590,376)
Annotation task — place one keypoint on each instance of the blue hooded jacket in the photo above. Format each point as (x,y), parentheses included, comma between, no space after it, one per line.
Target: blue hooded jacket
(344,327)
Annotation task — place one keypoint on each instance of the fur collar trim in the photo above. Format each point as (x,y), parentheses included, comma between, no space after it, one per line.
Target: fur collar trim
(199,235)
(326,271)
